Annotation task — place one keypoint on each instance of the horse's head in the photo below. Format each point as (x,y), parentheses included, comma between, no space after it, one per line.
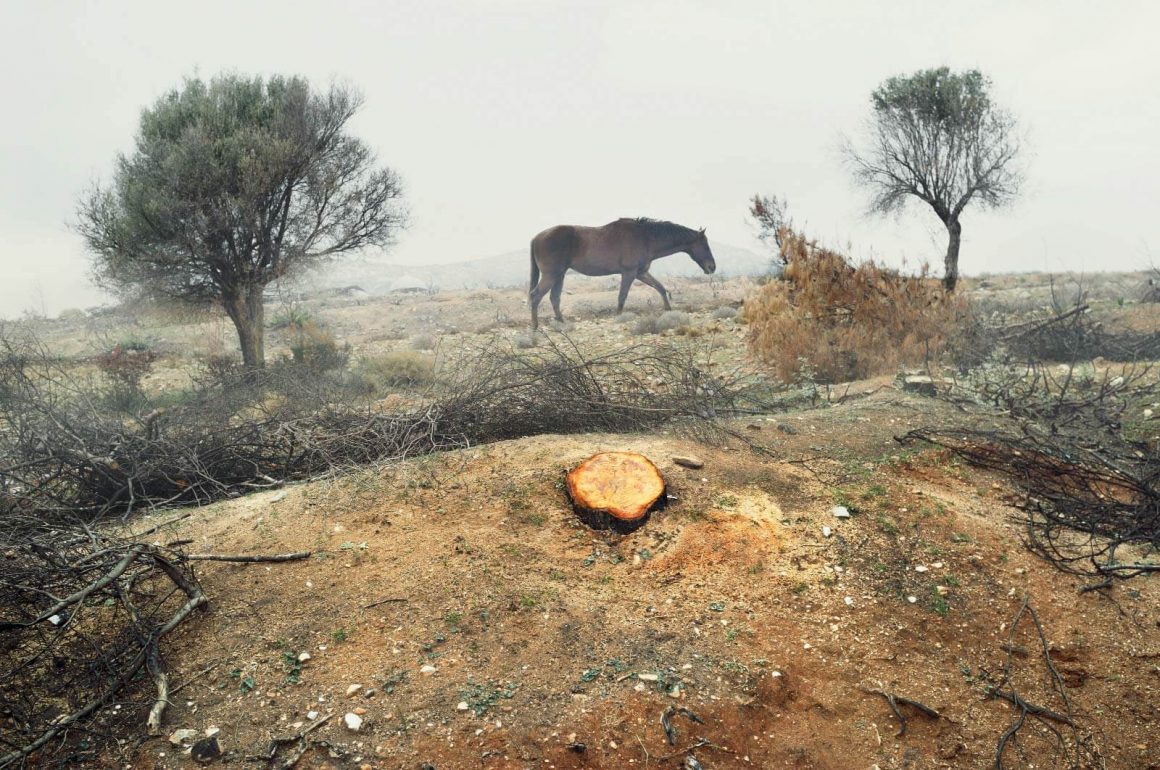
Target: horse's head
(700,252)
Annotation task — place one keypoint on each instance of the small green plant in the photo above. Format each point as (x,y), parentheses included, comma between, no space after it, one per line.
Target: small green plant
(339,635)
(887,525)
(939,605)
(292,665)
(481,697)
(453,618)
(800,589)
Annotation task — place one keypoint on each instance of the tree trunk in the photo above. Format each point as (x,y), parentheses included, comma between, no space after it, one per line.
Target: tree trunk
(951,274)
(615,490)
(249,316)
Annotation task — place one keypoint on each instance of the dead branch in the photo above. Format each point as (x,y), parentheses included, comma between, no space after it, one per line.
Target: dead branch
(296,556)
(894,701)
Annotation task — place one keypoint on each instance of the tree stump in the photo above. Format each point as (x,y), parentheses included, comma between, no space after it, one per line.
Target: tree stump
(615,490)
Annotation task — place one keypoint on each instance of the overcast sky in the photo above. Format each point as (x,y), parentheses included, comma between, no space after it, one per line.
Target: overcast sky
(507,116)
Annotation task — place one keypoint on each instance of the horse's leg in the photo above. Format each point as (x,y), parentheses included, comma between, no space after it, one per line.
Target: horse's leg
(536,296)
(557,290)
(648,280)
(626,280)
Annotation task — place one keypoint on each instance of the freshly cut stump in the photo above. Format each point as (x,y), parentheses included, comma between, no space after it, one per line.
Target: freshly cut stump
(615,490)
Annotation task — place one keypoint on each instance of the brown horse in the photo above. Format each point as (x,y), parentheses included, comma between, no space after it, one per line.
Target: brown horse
(626,246)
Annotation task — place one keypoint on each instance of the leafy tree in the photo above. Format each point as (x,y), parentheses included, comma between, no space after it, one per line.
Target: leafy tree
(234,184)
(936,136)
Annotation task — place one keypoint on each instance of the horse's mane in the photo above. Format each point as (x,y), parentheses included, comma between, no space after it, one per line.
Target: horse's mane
(662,229)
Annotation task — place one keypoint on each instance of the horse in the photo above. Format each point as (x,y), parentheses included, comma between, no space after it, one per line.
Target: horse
(626,246)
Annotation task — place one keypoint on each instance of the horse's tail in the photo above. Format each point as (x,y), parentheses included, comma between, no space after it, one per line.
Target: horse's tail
(535,270)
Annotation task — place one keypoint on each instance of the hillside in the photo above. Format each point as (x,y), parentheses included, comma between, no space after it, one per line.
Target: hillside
(509,269)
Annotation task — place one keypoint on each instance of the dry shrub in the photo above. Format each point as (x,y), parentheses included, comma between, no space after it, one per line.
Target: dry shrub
(400,368)
(847,322)
(316,348)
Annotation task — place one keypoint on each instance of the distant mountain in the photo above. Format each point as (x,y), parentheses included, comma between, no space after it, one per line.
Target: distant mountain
(509,269)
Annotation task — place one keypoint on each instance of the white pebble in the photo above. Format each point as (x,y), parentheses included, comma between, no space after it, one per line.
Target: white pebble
(353,721)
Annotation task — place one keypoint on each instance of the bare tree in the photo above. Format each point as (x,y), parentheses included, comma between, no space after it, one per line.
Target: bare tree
(232,185)
(937,136)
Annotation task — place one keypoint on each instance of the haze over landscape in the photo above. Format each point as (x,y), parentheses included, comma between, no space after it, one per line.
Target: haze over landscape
(507,117)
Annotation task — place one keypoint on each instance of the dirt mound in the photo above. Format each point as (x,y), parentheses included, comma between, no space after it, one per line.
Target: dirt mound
(488,627)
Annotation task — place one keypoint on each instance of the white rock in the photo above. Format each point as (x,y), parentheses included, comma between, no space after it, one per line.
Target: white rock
(312,715)
(647,677)
(920,568)
(212,731)
(840,512)
(463,706)
(826,531)
(937,565)
(353,721)
(178,737)
(1147,414)
(849,601)
(303,657)
(912,599)
(428,670)
(353,689)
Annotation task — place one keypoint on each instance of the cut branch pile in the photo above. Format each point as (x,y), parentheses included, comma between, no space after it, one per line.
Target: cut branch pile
(1080,444)
(81,614)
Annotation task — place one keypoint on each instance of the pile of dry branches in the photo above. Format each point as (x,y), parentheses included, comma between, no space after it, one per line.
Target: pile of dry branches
(82,612)
(1081,443)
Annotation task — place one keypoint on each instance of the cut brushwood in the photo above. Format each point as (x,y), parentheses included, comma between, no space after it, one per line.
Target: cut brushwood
(615,490)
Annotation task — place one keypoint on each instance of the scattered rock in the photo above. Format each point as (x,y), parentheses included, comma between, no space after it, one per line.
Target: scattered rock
(925,385)
(353,722)
(303,657)
(178,737)
(686,461)
(648,677)
(912,599)
(212,731)
(920,568)
(840,512)
(462,706)
(354,688)
(428,670)
(206,750)
(787,429)
(826,531)
(312,715)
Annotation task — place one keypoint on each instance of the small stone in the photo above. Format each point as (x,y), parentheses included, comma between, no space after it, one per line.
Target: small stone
(178,737)
(787,429)
(354,688)
(647,677)
(912,599)
(840,512)
(1147,414)
(360,711)
(826,531)
(942,590)
(353,722)
(687,461)
(206,750)
(212,731)
(303,657)
(428,670)
(937,565)
(920,568)
(849,600)
(462,706)
(312,715)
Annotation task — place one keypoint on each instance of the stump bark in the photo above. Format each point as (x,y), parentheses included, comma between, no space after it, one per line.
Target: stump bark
(615,490)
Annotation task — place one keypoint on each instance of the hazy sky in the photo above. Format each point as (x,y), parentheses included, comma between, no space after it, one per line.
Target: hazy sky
(507,116)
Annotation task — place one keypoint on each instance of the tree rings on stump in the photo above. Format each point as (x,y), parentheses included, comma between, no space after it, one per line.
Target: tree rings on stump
(615,490)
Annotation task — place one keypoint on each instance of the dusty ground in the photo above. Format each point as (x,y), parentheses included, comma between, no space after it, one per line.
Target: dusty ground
(553,646)
(731,602)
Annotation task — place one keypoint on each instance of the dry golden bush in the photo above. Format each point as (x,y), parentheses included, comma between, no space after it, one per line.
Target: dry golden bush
(844,322)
